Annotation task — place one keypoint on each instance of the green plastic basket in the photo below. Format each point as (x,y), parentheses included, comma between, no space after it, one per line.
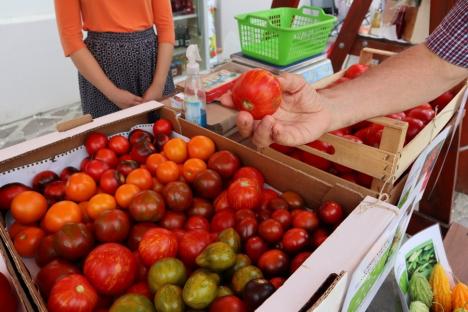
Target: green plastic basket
(283,36)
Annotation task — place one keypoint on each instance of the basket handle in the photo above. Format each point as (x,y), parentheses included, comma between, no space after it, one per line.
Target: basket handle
(312,10)
(264,19)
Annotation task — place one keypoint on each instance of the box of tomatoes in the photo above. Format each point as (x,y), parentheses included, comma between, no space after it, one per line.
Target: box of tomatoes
(125,212)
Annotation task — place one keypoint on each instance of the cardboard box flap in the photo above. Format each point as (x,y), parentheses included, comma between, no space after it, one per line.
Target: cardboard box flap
(34,144)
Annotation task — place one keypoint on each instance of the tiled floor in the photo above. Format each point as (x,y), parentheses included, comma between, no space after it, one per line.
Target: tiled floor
(386,299)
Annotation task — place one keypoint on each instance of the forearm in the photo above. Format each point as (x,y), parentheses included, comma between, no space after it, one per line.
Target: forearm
(406,80)
(164,60)
(92,71)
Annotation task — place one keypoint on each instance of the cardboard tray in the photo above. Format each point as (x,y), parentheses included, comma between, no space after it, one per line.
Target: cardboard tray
(355,235)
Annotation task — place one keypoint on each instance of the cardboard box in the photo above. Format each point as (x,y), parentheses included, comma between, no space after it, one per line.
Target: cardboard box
(337,256)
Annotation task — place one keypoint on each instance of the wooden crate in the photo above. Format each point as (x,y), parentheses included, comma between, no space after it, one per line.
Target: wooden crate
(387,163)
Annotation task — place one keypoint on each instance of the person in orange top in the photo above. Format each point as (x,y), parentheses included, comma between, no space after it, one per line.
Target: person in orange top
(121,62)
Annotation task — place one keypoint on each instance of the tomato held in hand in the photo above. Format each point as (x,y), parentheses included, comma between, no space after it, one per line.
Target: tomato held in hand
(156,244)
(192,244)
(273,262)
(330,212)
(281,148)
(110,268)
(162,126)
(112,226)
(244,193)
(73,241)
(356,70)
(258,92)
(225,163)
(8,192)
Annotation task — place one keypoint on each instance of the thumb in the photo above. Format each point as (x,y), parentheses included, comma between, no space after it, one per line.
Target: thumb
(226,99)
(291,83)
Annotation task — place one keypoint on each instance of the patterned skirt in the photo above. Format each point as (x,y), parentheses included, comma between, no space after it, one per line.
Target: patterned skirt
(128,60)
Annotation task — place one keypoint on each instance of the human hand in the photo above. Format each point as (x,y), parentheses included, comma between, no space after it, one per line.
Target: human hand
(300,119)
(153,93)
(124,99)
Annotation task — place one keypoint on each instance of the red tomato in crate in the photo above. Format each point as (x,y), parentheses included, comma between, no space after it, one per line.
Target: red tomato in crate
(244,193)
(72,294)
(283,217)
(222,220)
(258,92)
(442,100)
(414,126)
(162,126)
(270,230)
(156,244)
(242,214)
(208,184)
(43,178)
(8,192)
(141,288)
(273,262)
(225,163)
(341,132)
(94,141)
(27,241)
(178,196)
(53,272)
(331,212)
(110,180)
(298,260)
(95,169)
(397,116)
(318,237)
(173,220)
(73,241)
(106,155)
(197,223)
(364,179)
(267,196)
(110,268)
(119,144)
(317,161)
(306,220)
(353,138)
(7,295)
(112,226)
(191,244)
(160,140)
(140,151)
(147,206)
(137,135)
(55,191)
(229,303)
(142,270)
(201,207)
(295,239)
(45,252)
(251,173)
(355,70)
(137,232)
(255,247)
(425,115)
(281,148)
(277,282)
(375,135)
(247,228)
(363,134)
(221,202)
(126,166)
(351,177)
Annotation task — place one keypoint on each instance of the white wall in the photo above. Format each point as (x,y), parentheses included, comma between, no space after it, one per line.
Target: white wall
(34,74)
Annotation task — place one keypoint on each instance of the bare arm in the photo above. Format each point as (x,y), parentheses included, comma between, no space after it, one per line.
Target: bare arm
(92,71)
(155,91)
(406,80)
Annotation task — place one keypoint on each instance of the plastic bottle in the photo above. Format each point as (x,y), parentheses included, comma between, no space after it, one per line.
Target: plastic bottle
(194,97)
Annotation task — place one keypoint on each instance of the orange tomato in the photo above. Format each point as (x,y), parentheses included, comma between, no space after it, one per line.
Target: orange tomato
(28,207)
(192,167)
(201,147)
(27,241)
(153,161)
(61,213)
(176,150)
(84,211)
(141,177)
(125,194)
(99,203)
(167,172)
(80,187)
(15,228)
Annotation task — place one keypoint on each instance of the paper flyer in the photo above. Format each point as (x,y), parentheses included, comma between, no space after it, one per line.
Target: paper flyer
(419,254)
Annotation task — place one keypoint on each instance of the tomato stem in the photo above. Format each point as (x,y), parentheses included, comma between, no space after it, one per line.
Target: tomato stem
(80,289)
(247,105)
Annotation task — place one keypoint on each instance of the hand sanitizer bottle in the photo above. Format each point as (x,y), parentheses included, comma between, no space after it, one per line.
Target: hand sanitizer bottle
(194,97)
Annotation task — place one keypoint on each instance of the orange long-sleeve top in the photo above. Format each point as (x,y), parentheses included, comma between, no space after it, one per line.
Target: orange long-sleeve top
(73,16)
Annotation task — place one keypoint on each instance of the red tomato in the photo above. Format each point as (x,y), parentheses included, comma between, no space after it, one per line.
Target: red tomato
(242,214)
(414,126)
(53,272)
(173,220)
(43,178)
(283,217)
(178,196)
(126,166)
(156,244)
(355,70)
(222,220)
(351,177)
(281,148)
(72,294)
(362,134)
(221,202)
(46,252)
(255,247)
(110,180)
(142,270)
(197,223)
(201,207)
(7,295)
(273,262)
(364,179)
(247,228)
(298,260)
(442,100)
(191,245)
(425,115)
(295,239)
(95,169)
(147,206)
(106,155)
(251,173)
(278,204)
(112,226)
(119,144)
(141,288)
(306,220)
(110,268)
(139,135)
(55,191)
(270,230)
(162,126)
(330,212)
(27,241)
(225,163)
(318,237)
(8,192)
(244,193)
(341,132)
(95,141)
(160,141)
(263,214)
(140,151)
(228,303)
(73,241)
(317,161)
(258,92)
(267,195)
(375,135)
(137,232)
(398,116)
(208,184)
(277,282)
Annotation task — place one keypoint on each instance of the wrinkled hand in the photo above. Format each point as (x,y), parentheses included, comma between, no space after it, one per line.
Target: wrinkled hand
(300,119)
(124,99)
(153,93)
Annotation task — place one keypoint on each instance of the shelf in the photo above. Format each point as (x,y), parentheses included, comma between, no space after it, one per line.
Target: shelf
(184,17)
